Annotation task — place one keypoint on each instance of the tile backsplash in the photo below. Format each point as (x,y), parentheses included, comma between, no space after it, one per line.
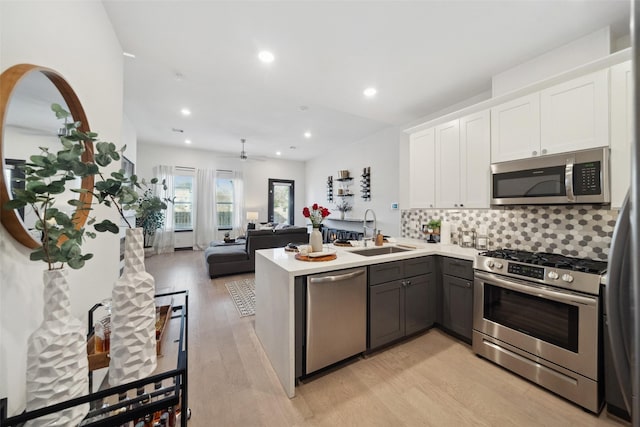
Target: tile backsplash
(582,231)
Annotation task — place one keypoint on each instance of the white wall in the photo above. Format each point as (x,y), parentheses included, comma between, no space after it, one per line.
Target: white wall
(255,173)
(77,40)
(378,151)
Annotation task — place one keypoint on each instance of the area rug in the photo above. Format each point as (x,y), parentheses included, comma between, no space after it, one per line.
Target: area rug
(243,294)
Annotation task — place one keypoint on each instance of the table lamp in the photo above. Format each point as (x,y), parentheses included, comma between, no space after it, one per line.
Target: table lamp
(251,216)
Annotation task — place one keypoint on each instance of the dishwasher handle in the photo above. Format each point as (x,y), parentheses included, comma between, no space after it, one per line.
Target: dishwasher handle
(337,278)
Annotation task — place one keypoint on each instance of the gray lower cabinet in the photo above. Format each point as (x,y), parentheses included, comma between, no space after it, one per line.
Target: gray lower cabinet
(402,299)
(457,297)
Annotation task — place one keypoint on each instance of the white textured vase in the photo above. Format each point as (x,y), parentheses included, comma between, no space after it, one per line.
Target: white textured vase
(133,317)
(315,240)
(57,367)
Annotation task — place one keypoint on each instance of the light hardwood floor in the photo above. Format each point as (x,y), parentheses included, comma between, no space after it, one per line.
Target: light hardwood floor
(431,380)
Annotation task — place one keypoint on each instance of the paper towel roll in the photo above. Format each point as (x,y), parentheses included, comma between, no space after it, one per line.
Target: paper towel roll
(445,233)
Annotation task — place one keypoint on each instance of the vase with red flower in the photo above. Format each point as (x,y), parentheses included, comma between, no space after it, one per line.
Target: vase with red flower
(316,215)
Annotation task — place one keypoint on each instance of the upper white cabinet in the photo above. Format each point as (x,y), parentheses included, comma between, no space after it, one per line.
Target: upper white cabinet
(475,160)
(462,162)
(570,116)
(515,129)
(447,165)
(575,114)
(621,131)
(421,171)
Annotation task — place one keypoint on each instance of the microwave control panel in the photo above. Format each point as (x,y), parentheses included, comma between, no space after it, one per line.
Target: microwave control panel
(586,179)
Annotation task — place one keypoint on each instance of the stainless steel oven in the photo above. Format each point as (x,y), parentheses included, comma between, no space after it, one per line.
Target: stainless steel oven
(546,333)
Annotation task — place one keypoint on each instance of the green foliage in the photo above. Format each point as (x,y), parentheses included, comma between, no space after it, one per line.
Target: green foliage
(45,176)
(433,224)
(150,215)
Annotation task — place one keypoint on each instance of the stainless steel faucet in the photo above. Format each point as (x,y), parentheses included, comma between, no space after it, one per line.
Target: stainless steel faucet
(364,226)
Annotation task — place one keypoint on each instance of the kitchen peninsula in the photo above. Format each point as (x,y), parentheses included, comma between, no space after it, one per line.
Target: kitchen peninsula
(278,273)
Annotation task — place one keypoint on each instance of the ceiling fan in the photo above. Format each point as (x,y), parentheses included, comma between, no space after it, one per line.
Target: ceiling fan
(243,153)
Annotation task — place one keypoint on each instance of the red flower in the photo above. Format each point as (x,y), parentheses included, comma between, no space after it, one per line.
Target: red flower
(325,212)
(314,207)
(306,212)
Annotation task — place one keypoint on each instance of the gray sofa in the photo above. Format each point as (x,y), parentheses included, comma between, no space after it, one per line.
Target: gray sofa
(233,259)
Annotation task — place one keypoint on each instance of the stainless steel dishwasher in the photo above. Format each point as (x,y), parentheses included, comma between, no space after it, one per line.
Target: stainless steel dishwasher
(336,317)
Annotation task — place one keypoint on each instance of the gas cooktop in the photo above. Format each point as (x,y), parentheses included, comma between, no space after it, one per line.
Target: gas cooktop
(578,274)
(545,259)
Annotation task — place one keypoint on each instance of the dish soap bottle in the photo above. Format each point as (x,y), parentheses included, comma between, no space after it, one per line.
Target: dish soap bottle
(379,238)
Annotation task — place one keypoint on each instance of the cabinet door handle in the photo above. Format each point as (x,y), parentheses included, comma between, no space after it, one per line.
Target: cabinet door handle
(544,151)
(408,282)
(534,153)
(461,205)
(468,285)
(404,283)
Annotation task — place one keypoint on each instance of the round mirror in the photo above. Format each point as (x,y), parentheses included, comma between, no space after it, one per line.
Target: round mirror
(26,94)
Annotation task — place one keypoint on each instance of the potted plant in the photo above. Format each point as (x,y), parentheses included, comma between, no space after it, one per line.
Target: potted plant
(150,215)
(434,226)
(343,207)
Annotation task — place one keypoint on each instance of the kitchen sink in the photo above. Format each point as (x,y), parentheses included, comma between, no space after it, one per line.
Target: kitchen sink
(379,251)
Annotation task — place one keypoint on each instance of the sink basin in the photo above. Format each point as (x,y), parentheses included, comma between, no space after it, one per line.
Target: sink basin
(379,251)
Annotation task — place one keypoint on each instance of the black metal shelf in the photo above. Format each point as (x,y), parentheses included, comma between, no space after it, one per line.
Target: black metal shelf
(107,416)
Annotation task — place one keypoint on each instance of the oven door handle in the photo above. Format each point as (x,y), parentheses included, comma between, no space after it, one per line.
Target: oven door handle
(568,179)
(535,290)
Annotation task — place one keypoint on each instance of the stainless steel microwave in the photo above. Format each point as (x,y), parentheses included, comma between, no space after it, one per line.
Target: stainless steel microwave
(559,179)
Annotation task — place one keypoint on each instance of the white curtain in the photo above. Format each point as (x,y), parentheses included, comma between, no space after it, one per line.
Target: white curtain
(238,204)
(205,224)
(165,239)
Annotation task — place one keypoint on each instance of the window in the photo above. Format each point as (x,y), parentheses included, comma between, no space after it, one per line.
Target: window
(183,202)
(224,200)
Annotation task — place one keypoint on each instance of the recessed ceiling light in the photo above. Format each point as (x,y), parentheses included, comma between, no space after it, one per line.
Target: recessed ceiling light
(278,153)
(370,92)
(187,141)
(185,112)
(128,55)
(266,56)
(307,134)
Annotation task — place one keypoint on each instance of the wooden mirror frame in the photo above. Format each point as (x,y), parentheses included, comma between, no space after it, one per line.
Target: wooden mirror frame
(8,81)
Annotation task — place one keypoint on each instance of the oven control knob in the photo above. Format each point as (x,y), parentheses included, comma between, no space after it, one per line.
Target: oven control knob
(498,265)
(567,278)
(552,275)
(489,263)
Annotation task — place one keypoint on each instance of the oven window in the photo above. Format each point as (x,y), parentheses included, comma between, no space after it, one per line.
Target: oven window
(545,182)
(550,321)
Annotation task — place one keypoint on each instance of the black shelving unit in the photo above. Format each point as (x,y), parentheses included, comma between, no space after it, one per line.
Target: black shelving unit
(330,188)
(365,184)
(135,407)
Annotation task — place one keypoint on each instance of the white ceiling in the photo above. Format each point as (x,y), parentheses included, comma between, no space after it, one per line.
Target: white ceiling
(421,55)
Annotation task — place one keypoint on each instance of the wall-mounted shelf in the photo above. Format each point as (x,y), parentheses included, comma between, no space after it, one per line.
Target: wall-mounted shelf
(349,219)
(344,195)
(344,179)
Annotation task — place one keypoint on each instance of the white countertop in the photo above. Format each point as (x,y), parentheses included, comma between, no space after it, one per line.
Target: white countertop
(345,259)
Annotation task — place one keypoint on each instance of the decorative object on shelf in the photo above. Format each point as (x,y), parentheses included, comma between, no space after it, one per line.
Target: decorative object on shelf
(316,215)
(343,174)
(343,206)
(365,184)
(133,316)
(330,188)
(57,367)
(252,217)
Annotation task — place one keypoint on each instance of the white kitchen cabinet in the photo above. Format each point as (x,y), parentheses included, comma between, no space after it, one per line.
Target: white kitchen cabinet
(569,116)
(462,162)
(447,164)
(621,131)
(575,115)
(515,129)
(475,160)
(421,169)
